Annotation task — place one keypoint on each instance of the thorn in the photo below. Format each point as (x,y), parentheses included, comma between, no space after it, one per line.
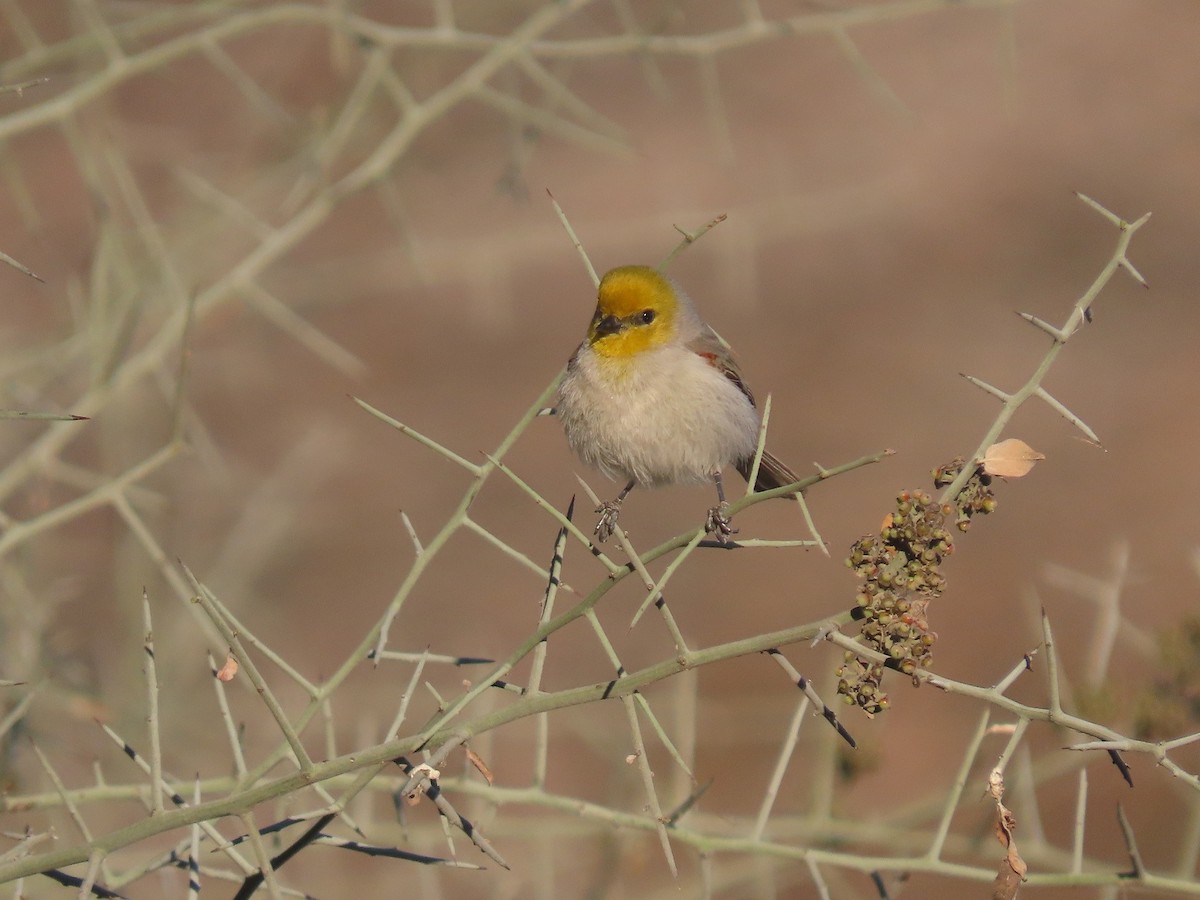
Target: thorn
(987,388)
(1129,267)
(1045,326)
(1122,766)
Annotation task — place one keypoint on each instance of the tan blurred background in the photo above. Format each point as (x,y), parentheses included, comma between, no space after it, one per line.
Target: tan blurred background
(893,196)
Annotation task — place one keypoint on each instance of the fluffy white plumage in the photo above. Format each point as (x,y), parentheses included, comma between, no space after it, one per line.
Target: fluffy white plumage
(666,417)
(659,402)
(652,396)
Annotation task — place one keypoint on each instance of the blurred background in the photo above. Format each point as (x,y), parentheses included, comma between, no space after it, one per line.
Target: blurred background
(350,198)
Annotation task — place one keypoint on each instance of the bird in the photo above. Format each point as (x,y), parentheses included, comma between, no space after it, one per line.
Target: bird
(653,396)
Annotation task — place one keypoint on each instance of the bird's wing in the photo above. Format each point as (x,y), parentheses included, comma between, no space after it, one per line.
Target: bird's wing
(772,472)
(720,357)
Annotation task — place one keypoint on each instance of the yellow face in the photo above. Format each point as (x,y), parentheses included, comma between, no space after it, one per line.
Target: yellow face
(636,311)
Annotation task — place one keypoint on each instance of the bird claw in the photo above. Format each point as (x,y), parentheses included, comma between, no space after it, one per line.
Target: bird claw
(608,520)
(720,524)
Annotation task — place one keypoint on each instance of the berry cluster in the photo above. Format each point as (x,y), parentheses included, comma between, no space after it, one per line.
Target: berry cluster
(900,569)
(976,495)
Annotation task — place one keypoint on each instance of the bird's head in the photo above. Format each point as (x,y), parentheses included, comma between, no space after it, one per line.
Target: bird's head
(637,309)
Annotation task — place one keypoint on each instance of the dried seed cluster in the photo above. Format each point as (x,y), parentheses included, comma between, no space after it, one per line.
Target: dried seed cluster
(976,496)
(900,569)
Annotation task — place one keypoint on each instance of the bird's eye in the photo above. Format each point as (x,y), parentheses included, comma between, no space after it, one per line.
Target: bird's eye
(647,316)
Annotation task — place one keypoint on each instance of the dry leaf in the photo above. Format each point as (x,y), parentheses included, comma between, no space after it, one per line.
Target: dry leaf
(479,764)
(1010,459)
(1012,869)
(1006,884)
(1005,825)
(996,785)
(228,671)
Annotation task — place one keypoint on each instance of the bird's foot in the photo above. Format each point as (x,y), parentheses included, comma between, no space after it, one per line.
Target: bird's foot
(608,520)
(720,524)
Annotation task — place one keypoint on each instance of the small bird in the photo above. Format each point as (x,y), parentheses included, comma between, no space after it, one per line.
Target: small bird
(654,397)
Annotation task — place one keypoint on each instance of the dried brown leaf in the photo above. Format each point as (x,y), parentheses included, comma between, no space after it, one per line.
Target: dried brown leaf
(1013,868)
(1011,458)
(480,765)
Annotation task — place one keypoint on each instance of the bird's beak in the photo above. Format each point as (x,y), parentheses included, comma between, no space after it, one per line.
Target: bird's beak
(608,325)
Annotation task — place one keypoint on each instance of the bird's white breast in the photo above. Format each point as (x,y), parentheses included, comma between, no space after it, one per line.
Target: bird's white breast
(665,416)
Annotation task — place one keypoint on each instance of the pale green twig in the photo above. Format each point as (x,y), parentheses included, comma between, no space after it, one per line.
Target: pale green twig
(786,748)
(959,785)
(231,729)
(308,336)
(689,238)
(661,732)
(60,789)
(654,589)
(1017,732)
(25,414)
(245,634)
(542,737)
(760,446)
(103,495)
(21,267)
(260,854)
(95,862)
(578,244)
(508,550)
(206,600)
(151,671)
(1080,823)
(1080,313)
(643,764)
(421,439)
(20,708)
(193,855)
(818,879)
(1135,855)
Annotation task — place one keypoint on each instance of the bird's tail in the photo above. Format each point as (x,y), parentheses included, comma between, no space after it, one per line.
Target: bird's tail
(771,472)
